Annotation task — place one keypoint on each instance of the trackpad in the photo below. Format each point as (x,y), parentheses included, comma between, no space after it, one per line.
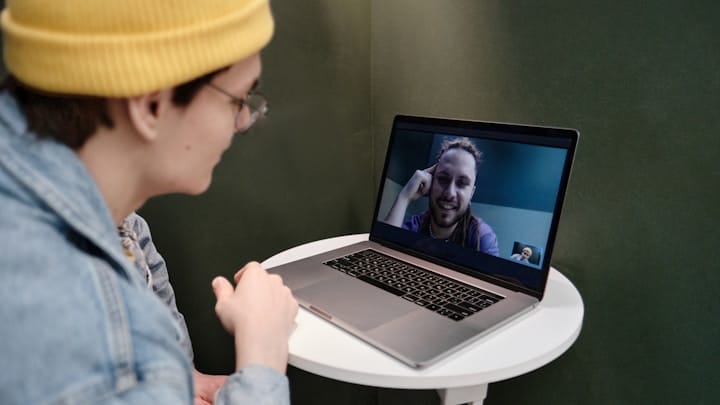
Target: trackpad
(354,302)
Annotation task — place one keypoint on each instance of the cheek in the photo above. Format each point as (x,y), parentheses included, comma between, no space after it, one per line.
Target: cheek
(204,124)
(191,152)
(435,190)
(186,144)
(465,195)
(198,137)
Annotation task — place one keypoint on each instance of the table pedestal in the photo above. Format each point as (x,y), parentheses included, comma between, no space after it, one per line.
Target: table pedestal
(474,395)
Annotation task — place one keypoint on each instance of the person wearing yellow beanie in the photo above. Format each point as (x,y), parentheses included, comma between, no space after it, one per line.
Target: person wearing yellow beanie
(107,104)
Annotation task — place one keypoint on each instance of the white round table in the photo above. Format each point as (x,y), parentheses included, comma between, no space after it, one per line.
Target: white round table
(527,343)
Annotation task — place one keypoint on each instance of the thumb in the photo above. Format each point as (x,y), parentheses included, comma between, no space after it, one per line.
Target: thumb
(222,288)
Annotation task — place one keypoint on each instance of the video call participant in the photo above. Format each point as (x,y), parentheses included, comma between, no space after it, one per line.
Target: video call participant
(523,256)
(449,185)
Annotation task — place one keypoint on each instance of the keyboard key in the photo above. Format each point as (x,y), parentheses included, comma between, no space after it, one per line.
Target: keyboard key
(410,297)
(456,317)
(469,306)
(385,287)
(422,302)
(460,310)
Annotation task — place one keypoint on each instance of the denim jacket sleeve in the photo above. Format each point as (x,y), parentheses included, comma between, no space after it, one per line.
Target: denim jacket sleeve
(254,385)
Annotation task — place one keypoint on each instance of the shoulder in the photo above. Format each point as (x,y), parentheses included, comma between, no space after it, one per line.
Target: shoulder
(141,233)
(413,222)
(478,226)
(137,224)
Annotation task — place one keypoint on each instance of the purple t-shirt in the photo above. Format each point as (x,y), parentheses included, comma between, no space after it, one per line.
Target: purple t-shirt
(483,238)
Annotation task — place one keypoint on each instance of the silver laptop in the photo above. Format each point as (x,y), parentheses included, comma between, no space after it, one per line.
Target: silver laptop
(460,241)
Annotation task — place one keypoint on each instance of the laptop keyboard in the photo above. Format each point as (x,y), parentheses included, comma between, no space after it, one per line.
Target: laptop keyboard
(432,291)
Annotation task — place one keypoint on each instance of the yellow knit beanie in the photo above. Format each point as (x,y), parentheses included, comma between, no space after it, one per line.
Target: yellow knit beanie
(118,48)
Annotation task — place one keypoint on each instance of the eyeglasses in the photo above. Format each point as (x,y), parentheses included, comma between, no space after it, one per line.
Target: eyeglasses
(256,103)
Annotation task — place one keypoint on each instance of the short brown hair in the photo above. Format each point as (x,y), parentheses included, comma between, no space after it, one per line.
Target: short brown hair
(461,143)
(72,119)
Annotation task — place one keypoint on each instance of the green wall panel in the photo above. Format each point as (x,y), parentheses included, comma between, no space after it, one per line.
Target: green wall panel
(641,81)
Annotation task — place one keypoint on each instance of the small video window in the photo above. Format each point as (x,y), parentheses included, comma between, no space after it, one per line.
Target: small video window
(526,254)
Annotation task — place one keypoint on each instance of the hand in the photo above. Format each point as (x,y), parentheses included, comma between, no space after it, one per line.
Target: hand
(206,386)
(259,312)
(419,184)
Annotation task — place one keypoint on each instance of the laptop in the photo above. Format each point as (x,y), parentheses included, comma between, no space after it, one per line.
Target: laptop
(460,240)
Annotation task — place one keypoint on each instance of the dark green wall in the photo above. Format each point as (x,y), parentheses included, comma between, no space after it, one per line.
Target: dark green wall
(641,81)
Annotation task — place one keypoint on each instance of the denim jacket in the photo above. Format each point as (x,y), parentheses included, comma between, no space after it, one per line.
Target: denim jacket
(78,323)
(137,243)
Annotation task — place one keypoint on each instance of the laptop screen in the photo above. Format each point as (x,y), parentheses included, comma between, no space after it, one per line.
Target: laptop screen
(482,198)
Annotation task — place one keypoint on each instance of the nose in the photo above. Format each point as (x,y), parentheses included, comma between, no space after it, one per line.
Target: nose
(243,119)
(449,191)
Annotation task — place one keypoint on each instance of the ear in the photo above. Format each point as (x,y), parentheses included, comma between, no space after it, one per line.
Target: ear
(145,112)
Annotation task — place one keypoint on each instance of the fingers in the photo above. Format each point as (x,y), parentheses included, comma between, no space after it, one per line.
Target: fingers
(222,288)
(223,291)
(259,311)
(431,169)
(201,401)
(206,386)
(254,292)
(426,181)
(254,265)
